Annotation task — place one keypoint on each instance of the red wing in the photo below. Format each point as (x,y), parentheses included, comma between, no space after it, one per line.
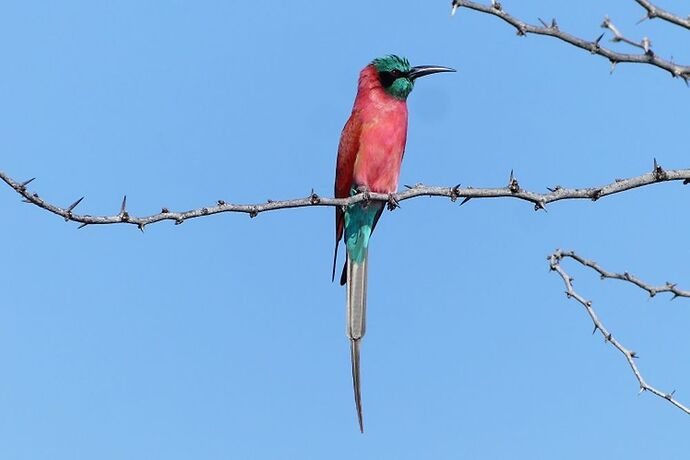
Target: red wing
(347,154)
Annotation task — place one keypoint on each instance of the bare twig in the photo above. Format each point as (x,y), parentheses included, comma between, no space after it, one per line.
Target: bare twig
(652,290)
(555,265)
(654,11)
(593,46)
(512,190)
(645,44)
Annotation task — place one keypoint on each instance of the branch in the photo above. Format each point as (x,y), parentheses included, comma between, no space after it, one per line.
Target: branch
(554,263)
(593,46)
(656,12)
(511,190)
(652,290)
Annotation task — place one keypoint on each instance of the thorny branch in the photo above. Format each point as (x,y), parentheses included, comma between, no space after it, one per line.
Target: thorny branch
(656,12)
(511,190)
(652,290)
(593,46)
(630,356)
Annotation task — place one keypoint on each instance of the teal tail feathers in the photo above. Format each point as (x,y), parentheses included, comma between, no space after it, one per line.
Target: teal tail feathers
(356,322)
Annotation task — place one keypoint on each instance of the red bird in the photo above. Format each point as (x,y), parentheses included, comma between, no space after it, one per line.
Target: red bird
(369,158)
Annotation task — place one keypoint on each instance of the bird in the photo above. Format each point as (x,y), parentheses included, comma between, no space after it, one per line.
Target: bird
(370,155)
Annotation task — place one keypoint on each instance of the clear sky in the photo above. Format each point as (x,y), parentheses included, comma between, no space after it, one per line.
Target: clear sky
(224,337)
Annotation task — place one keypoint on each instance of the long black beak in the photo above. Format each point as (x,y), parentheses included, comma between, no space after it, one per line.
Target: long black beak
(422,70)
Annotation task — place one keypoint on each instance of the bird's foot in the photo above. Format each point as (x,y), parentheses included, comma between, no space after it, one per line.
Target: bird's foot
(365,192)
(392,202)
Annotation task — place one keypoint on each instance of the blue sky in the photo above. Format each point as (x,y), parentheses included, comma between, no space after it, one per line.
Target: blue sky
(224,337)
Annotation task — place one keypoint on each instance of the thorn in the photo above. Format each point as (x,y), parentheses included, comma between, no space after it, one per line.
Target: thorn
(254,212)
(595,329)
(555,189)
(409,187)
(633,355)
(179,221)
(222,203)
(454,193)
(642,389)
(608,337)
(513,183)
(596,194)
(644,18)
(74,205)
(520,30)
(124,216)
(27,201)
(686,182)
(554,24)
(141,227)
(613,67)
(26,182)
(82,226)
(267,201)
(669,396)
(652,293)
(314,198)
(543,23)
(659,173)
(539,205)
(454,7)
(467,198)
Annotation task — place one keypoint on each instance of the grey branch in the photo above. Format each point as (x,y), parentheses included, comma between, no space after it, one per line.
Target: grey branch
(654,11)
(651,290)
(511,190)
(593,46)
(630,356)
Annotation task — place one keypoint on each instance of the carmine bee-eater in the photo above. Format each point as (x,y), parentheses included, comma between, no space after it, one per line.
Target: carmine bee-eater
(369,157)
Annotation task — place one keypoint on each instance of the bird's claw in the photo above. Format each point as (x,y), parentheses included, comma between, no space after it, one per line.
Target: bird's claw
(364,191)
(393,202)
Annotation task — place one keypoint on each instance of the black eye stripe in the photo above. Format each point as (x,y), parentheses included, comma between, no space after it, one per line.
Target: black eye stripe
(387,78)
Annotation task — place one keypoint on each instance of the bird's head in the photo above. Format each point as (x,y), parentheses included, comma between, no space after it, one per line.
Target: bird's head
(397,76)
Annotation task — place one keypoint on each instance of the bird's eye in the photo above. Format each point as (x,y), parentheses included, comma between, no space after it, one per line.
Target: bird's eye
(395,73)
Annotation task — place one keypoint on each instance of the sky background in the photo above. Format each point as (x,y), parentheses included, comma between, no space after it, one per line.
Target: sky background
(225,338)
